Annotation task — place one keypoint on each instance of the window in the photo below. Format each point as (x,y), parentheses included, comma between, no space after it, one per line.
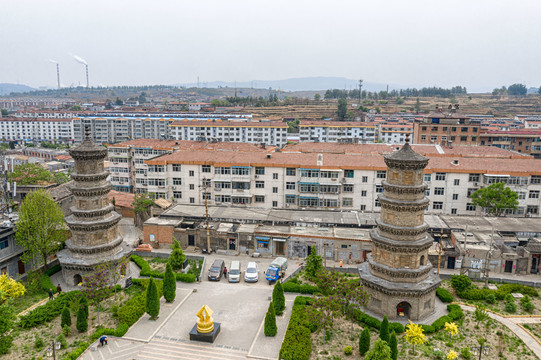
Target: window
(291,171)
(205,168)
(275,204)
(534,194)
(379,188)
(434,128)
(433,138)
(259,198)
(259,184)
(532,209)
(423,128)
(363,193)
(453,129)
(464,129)
(427,192)
(439,191)
(381,174)
(177,194)
(4,243)
(192,187)
(206,196)
(192,200)
(463,138)
(347,202)
(176,168)
(470,207)
(427,177)
(240,170)
(437,205)
(365,179)
(347,188)
(536,179)
(376,203)
(290,185)
(275,176)
(453,211)
(455,196)
(471,191)
(348,173)
(290,199)
(456,182)
(423,137)
(440,176)
(275,190)
(521,195)
(222,170)
(192,173)
(177,181)
(260,171)
(363,207)
(310,173)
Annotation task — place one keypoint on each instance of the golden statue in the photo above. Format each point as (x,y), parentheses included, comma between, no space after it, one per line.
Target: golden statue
(205,324)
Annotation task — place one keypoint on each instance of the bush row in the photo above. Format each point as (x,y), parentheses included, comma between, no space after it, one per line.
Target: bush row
(77,352)
(120,331)
(48,311)
(297,344)
(371,321)
(298,288)
(444,295)
(455,313)
(464,289)
(134,308)
(146,271)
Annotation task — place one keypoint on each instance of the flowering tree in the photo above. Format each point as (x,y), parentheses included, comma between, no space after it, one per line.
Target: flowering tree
(451,328)
(10,288)
(96,287)
(452,355)
(414,334)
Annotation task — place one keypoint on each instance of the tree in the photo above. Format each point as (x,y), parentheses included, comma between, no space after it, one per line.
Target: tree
(495,199)
(364,341)
(141,204)
(169,284)
(317,97)
(417,105)
(10,288)
(539,91)
(270,328)
(119,101)
(82,319)
(342,109)
(517,89)
(4,112)
(314,263)
(40,229)
(384,330)
(380,351)
(30,174)
(66,317)
(393,344)
(278,298)
(96,287)
(76,108)
(6,324)
(414,334)
(177,257)
(451,328)
(61,178)
(452,355)
(152,305)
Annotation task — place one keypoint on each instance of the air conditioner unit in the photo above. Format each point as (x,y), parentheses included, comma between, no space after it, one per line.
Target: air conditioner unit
(174,187)
(257,176)
(476,184)
(334,179)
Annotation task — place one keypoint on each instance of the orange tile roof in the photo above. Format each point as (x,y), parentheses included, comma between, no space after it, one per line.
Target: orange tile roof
(122,199)
(336,123)
(62,157)
(189,145)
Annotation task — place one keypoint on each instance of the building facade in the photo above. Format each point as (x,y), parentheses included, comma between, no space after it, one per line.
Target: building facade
(446,129)
(337,131)
(27,129)
(527,141)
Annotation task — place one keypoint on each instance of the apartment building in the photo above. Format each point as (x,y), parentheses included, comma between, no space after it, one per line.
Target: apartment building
(394,133)
(447,129)
(527,141)
(36,129)
(337,131)
(269,133)
(333,176)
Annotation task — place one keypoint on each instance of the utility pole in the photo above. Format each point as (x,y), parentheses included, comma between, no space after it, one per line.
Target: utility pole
(439,252)
(462,267)
(205,194)
(360,92)
(487,257)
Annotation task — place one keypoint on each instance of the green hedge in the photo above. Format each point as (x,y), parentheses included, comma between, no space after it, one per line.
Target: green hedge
(455,313)
(120,331)
(297,288)
(473,293)
(444,295)
(48,311)
(297,344)
(146,271)
(77,352)
(134,308)
(371,321)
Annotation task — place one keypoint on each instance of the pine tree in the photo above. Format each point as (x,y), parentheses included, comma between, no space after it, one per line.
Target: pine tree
(278,298)
(169,284)
(177,257)
(66,317)
(82,319)
(153,301)
(393,344)
(364,341)
(84,304)
(384,330)
(270,321)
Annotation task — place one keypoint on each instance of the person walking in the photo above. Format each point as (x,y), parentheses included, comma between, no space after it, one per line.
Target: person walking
(225,272)
(58,289)
(51,294)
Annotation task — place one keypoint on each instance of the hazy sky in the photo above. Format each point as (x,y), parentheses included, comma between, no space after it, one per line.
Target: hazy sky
(480,44)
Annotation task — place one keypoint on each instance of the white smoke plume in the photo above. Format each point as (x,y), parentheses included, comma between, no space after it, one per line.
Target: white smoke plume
(53,61)
(80,60)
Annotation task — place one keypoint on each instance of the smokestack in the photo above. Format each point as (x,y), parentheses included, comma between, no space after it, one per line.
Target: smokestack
(87,84)
(57,71)
(83,61)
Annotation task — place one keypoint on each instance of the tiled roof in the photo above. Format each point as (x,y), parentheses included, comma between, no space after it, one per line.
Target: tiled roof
(218,123)
(336,123)
(189,145)
(122,199)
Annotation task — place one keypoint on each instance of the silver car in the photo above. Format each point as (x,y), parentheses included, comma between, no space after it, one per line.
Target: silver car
(251,274)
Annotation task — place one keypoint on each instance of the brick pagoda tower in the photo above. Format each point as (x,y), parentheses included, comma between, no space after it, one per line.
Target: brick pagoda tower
(398,274)
(95,238)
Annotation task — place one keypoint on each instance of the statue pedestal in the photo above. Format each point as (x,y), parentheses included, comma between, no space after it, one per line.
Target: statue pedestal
(205,337)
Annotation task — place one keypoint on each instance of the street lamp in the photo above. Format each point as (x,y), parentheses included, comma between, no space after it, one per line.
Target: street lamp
(481,349)
(55,345)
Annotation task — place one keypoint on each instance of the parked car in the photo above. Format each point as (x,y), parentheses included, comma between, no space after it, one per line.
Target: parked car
(252,272)
(216,270)
(234,271)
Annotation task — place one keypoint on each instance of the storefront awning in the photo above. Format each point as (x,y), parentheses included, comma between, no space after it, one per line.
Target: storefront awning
(279,239)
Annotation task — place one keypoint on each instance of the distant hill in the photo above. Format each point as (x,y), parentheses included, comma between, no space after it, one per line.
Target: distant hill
(6,88)
(298,84)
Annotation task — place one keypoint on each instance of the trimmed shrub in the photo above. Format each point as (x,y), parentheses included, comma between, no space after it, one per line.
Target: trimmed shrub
(348,350)
(177,257)
(77,352)
(460,282)
(278,298)
(48,311)
(364,341)
(66,317)
(510,307)
(308,289)
(444,295)
(146,271)
(132,310)
(121,330)
(297,344)
(384,330)
(169,284)
(291,287)
(393,344)
(398,328)
(455,312)
(152,305)
(361,317)
(527,304)
(465,353)
(490,298)
(66,330)
(302,300)
(82,319)
(62,340)
(270,321)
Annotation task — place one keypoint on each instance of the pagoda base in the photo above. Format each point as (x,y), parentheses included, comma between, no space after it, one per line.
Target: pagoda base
(414,301)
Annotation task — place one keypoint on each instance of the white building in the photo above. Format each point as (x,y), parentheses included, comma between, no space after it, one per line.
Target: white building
(337,131)
(394,133)
(34,129)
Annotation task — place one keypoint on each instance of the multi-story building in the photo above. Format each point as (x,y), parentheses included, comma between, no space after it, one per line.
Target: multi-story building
(446,129)
(10,252)
(34,129)
(527,141)
(337,131)
(311,175)
(394,133)
(269,133)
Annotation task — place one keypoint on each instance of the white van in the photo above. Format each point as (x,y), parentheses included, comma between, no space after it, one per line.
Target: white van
(252,273)
(234,271)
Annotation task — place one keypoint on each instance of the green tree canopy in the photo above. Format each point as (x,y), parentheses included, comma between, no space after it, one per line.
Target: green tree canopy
(5,112)
(380,351)
(177,257)
(342,109)
(30,174)
(517,89)
(40,229)
(495,199)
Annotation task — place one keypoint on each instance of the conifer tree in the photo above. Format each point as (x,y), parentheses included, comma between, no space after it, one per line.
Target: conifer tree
(364,341)
(393,344)
(278,298)
(82,319)
(270,321)
(384,330)
(152,306)
(169,284)
(177,257)
(66,317)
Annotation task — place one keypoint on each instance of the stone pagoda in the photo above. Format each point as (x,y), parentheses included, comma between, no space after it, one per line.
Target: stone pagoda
(398,274)
(95,238)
